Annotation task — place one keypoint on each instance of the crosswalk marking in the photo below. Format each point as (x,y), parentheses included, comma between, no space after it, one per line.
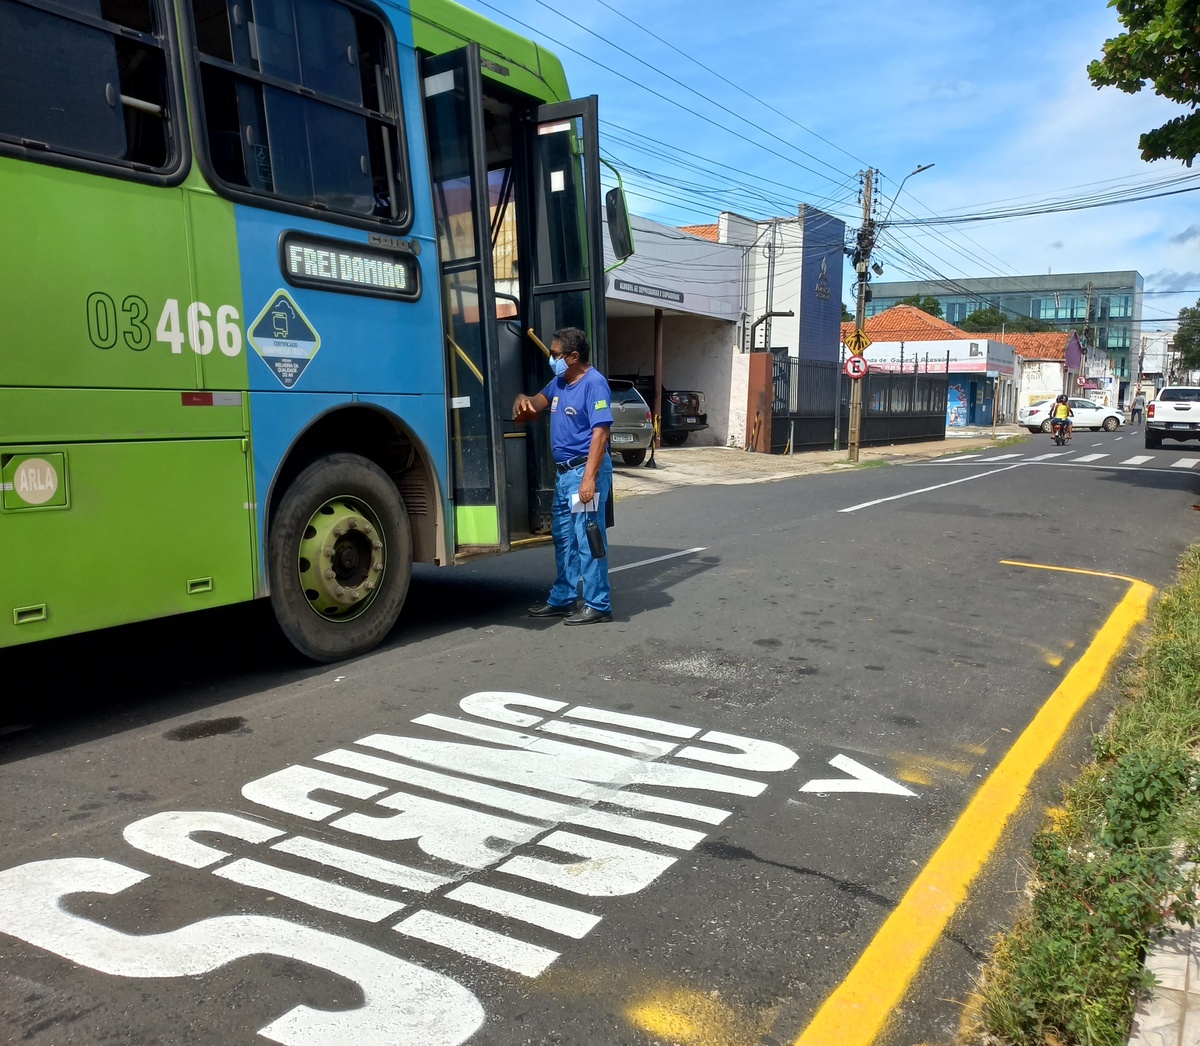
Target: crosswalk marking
(1091,457)
(999,457)
(1052,454)
(1138,459)
(1186,463)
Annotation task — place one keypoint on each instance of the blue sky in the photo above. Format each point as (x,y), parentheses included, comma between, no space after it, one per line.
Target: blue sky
(996,96)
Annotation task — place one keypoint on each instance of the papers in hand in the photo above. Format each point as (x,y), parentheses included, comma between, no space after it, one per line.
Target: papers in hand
(583,506)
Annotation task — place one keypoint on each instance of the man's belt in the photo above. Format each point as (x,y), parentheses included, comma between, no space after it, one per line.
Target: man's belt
(570,464)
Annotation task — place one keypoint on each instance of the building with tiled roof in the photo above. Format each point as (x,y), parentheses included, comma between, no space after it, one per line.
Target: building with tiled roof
(705,232)
(908,323)
(1105,306)
(1039,345)
(980,368)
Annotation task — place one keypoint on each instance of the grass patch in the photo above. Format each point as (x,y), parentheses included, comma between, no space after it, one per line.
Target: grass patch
(1105,873)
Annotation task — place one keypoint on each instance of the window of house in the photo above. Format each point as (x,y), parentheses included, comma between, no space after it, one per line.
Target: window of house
(301,102)
(87,80)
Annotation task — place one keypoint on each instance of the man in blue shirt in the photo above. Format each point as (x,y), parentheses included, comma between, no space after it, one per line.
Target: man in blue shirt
(580,405)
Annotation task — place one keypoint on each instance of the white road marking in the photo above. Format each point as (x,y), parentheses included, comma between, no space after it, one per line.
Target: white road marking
(542,772)
(1090,457)
(926,490)
(402,1002)
(594,765)
(634,722)
(330,897)
(999,457)
(505,952)
(607,869)
(534,807)
(169,835)
(361,864)
(1052,454)
(570,922)
(644,747)
(1186,463)
(658,559)
(1138,459)
(861,779)
(962,457)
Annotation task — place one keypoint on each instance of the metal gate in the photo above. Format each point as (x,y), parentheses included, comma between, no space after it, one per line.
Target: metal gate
(811,396)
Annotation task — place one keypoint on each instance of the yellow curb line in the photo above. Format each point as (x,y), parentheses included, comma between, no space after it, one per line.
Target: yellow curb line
(856,1011)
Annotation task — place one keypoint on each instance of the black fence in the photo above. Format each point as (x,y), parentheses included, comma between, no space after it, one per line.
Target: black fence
(897,408)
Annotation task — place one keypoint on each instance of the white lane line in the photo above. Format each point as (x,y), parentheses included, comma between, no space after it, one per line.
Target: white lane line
(330,897)
(1052,454)
(1118,438)
(570,922)
(508,954)
(1097,444)
(926,490)
(1091,457)
(1139,459)
(362,864)
(1186,463)
(658,559)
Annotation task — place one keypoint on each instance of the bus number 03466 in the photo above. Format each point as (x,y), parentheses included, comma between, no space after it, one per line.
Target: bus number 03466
(130,323)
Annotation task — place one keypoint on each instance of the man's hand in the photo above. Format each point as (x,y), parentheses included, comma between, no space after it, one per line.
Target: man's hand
(587,489)
(524,408)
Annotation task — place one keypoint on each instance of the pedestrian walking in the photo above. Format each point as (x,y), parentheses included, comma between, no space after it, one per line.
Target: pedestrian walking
(1135,410)
(580,405)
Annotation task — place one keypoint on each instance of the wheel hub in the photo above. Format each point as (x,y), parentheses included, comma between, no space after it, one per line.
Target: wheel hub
(341,559)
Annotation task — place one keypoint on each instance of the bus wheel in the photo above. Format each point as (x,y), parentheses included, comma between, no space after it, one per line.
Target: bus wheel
(339,557)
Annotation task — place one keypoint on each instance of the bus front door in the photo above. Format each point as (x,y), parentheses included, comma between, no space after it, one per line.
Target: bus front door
(517,201)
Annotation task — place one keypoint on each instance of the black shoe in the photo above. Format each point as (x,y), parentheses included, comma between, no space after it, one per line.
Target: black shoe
(552,610)
(588,616)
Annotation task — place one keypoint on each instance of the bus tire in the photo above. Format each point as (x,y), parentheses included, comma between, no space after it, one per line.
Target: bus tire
(339,557)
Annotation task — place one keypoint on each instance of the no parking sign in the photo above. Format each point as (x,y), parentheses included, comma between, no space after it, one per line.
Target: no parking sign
(856,367)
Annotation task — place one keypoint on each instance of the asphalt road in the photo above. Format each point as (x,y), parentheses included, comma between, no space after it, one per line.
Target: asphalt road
(689,831)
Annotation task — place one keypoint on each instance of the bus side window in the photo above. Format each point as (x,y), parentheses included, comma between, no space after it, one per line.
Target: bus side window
(75,89)
(327,136)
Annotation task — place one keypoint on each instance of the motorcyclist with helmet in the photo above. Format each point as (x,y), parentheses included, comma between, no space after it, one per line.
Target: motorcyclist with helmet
(1061,415)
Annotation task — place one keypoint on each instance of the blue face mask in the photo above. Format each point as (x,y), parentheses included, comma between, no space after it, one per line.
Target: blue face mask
(558,365)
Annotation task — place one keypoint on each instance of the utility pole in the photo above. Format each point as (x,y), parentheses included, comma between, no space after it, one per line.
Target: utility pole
(862,266)
(862,263)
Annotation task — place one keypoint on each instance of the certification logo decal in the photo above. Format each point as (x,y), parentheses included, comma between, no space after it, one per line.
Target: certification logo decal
(283,337)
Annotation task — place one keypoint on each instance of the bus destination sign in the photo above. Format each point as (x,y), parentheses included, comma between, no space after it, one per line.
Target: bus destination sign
(310,261)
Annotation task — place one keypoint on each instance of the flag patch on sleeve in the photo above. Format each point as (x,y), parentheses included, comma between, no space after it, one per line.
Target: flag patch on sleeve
(600,404)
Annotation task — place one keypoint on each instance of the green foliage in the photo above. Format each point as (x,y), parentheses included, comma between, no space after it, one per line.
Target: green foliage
(1162,47)
(1187,337)
(992,319)
(925,302)
(847,315)
(1105,874)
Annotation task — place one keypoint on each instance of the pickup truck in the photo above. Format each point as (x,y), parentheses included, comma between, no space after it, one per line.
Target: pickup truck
(682,412)
(1173,414)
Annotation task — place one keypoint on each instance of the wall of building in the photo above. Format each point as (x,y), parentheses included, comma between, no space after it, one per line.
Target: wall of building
(1040,379)
(698,355)
(819,311)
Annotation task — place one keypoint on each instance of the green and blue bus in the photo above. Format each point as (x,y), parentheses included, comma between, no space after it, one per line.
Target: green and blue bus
(274,271)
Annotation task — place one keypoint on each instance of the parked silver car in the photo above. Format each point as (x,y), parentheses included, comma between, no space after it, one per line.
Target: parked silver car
(633,423)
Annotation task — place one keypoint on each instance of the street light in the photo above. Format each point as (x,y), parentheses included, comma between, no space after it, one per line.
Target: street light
(918,170)
(862,264)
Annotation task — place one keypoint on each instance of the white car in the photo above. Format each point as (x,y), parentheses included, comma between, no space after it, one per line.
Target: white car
(1088,415)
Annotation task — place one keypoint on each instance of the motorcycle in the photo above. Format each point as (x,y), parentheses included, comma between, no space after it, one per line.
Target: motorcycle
(1058,430)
